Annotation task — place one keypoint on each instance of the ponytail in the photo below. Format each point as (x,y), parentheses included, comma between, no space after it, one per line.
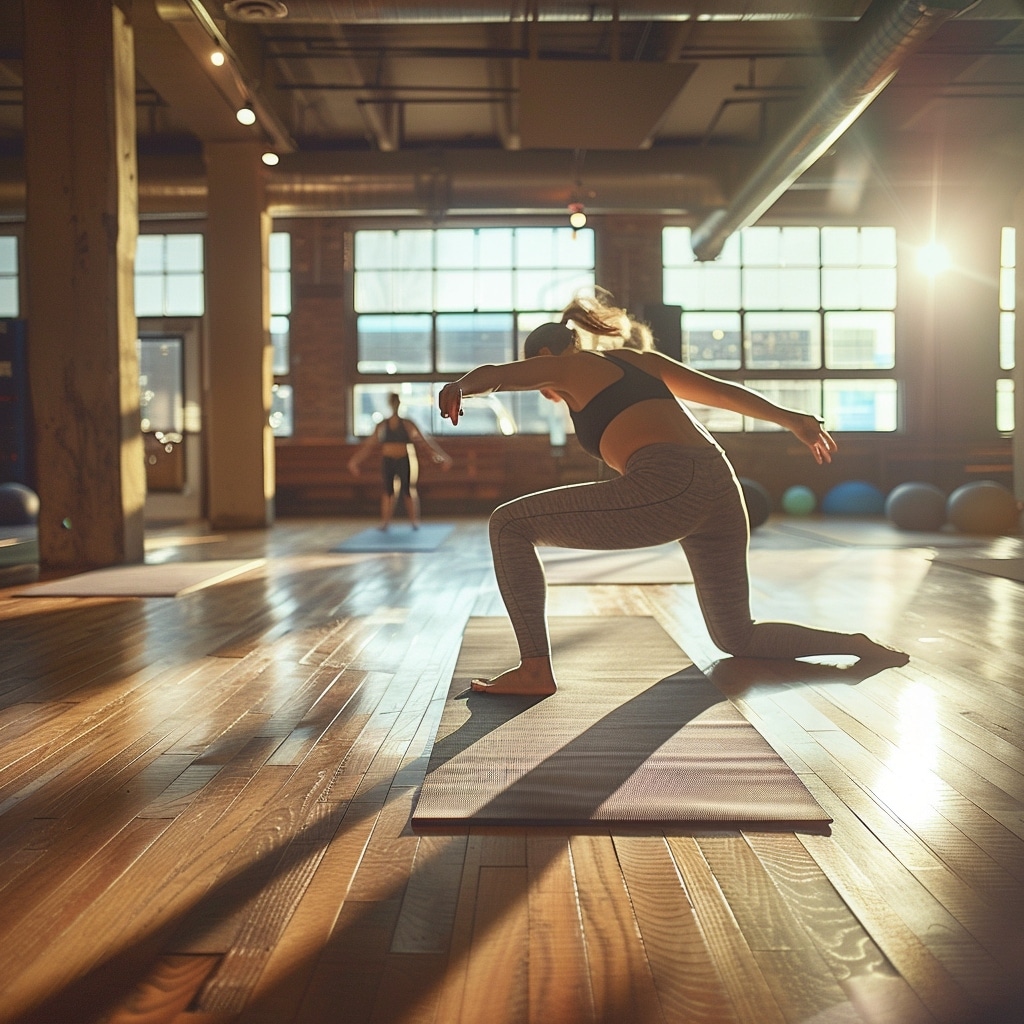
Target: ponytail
(594,317)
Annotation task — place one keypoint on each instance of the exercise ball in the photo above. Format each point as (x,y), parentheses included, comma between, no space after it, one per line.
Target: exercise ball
(799,500)
(983,507)
(853,498)
(916,506)
(759,502)
(19,505)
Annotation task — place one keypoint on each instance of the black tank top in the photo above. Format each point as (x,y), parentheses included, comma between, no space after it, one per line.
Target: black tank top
(635,385)
(393,435)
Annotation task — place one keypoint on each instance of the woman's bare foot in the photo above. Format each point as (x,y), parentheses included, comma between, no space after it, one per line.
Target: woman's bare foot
(532,677)
(878,654)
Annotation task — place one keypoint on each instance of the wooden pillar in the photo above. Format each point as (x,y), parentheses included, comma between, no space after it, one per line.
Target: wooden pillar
(81,227)
(1018,353)
(240,444)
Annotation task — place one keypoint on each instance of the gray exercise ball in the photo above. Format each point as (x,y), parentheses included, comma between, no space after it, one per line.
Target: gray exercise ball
(916,506)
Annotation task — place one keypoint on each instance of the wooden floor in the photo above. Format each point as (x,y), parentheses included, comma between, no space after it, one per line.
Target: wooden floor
(205,801)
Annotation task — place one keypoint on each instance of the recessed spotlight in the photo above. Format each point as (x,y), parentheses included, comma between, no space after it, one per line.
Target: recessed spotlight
(245,114)
(271,159)
(217,58)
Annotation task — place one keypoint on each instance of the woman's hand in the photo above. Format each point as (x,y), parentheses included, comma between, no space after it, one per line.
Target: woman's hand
(811,430)
(450,402)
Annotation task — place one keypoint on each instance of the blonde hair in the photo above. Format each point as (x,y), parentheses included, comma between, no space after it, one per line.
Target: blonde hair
(593,316)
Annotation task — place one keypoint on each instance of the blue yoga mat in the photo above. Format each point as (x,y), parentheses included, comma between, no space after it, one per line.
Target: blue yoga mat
(398,537)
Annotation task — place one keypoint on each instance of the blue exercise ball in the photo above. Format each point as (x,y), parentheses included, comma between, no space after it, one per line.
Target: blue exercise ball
(985,507)
(916,506)
(853,498)
(758,501)
(19,505)
(799,500)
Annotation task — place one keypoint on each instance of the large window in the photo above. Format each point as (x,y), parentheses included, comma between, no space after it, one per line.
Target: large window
(805,315)
(1007,326)
(282,407)
(169,275)
(8,276)
(432,304)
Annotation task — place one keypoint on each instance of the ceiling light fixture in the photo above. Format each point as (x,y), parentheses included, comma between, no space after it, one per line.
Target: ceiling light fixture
(270,158)
(217,58)
(245,114)
(577,218)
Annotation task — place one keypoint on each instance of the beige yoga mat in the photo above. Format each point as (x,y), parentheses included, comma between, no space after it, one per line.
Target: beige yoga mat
(665,563)
(1008,568)
(635,734)
(873,533)
(169,579)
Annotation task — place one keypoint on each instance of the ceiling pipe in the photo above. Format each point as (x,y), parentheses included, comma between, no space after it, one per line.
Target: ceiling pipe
(356,12)
(889,33)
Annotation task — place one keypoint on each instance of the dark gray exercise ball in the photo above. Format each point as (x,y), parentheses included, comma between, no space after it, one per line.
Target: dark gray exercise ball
(916,506)
(759,502)
(19,505)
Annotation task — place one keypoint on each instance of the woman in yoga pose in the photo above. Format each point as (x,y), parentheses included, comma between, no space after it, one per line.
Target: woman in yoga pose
(675,484)
(397,437)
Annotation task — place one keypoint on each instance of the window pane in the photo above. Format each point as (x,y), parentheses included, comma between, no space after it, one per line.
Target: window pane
(1008,248)
(414,248)
(712,341)
(719,421)
(374,250)
(796,394)
(684,286)
(8,296)
(546,289)
(721,287)
(675,247)
(372,290)
(535,247)
(184,295)
(149,254)
(761,288)
(495,248)
(280,250)
(280,341)
(860,341)
(456,247)
(370,404)
(494,289)
(783,341)
(184,253)
(762,247)
(1004,406)
(574,248)
(877,288)
(161,392)
(412,291)
(394,344)
(282,409)
(455,289)
(860,405)
(1007,327)
(149,295)
(8,254)
(1007,288)
(467,340)
(280,292)
(798,288)
(878,247)
(840,288)
(800,247)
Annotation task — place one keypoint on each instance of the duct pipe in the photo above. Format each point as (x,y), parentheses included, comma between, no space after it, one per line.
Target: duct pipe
(383,12)
(891,31)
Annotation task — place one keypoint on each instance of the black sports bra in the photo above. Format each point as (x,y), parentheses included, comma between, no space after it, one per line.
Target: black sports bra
(635,385)
(399,434)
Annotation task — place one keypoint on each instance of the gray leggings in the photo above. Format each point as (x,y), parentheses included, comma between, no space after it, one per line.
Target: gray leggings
(668,492)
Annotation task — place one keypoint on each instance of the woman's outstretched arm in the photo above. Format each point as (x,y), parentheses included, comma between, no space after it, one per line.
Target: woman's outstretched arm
(526,375)
(692,385)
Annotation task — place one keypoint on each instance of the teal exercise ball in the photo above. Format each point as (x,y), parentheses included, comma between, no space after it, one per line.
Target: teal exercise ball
(853,498)
(916,506)
(985,507)
(758,502)
(799,501)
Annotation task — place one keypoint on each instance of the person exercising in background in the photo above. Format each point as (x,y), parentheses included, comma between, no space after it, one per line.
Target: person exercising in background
(397,438)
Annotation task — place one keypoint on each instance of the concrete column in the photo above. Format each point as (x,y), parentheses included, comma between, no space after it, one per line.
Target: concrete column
(239,442)
(81,226)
